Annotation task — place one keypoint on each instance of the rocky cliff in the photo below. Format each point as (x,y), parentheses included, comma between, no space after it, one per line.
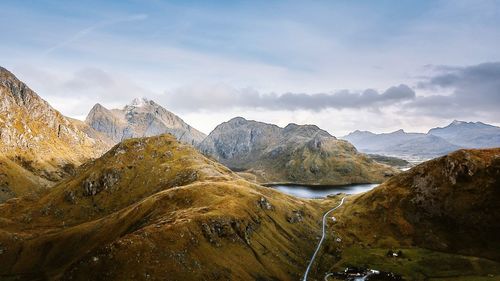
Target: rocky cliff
(39,146)
(294,154)
(141,118)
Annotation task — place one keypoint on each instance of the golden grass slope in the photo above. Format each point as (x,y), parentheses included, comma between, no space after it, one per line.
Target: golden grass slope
(15,179)
(155,209)
(449,204)
(38,138)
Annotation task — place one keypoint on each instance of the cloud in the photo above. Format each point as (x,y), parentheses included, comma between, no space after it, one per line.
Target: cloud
(86,31)
(475,90)
(103,86)
(221,96)
(74,93)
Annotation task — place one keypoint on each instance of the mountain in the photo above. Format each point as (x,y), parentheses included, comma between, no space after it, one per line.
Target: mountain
(443,214)
(152,208)
(38,145)
(140,118)
(92,133)
(294,154)
(469,134)
(402,144)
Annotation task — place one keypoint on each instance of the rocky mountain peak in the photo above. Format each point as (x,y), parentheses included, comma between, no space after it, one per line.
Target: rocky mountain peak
(296,153)
(4,73)
(7,75)
(469,134)
(48,141)
(21,94)
(238,121)
(138,102)
(358,133)
(306,130)
(457,122)
(98,108)
(141,118)
(291,126)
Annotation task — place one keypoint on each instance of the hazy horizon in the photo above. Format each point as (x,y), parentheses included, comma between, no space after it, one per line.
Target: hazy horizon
(342,65)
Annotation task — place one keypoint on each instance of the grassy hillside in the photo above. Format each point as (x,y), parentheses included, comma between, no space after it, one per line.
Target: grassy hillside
(327,162)
(448,204)
(153,208)
(443,214)
(157,208)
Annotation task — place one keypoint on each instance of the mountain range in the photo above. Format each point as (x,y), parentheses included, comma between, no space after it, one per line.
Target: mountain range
(303,154)
(469,134)
(42,147)
(155,208)
(437,142)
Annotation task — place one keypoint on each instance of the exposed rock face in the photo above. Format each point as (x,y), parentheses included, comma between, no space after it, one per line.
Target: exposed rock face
(401,144)
(97,183)
(37,138)
(239,141)
(141,118)
(469,134)
(294,154)
(103,139)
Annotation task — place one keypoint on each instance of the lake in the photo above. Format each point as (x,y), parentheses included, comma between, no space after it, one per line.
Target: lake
(322,191)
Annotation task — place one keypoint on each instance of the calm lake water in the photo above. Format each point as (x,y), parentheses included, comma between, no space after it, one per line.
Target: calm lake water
(322,191)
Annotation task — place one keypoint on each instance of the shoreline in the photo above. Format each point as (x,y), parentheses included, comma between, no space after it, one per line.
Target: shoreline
(318,186)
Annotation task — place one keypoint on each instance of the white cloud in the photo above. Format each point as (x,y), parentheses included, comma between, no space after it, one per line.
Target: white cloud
(86,31)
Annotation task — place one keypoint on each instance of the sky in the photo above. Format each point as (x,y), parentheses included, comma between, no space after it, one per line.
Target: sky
(342,65)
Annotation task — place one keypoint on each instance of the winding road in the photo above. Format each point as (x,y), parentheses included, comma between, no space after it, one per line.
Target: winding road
(322,239)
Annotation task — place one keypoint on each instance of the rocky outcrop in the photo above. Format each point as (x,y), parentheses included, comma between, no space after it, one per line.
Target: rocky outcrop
(141,118)
(294,154)
(36,138)
(97,183)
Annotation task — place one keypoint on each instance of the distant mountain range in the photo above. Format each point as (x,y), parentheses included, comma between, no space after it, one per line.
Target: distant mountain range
(469,134)
(437,142)
(294,154)
(152,208)
(141,118)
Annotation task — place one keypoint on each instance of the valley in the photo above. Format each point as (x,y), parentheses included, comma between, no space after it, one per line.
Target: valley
(138,194)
